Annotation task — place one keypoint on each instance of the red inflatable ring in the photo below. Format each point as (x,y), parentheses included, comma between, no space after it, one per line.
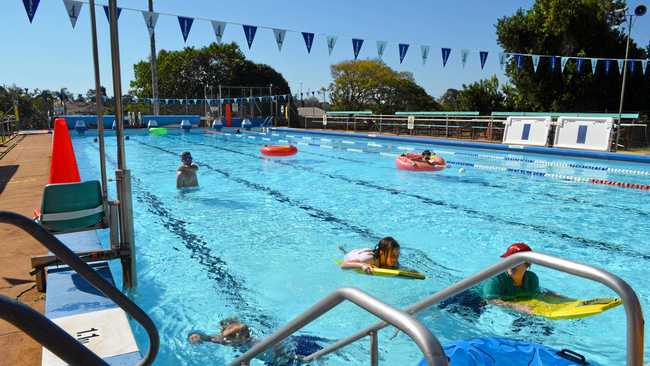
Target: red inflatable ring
(414,162)
(279,150)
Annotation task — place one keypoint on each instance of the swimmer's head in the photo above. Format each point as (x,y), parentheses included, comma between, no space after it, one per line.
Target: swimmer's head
(387,253)
(186,157)
(233,331)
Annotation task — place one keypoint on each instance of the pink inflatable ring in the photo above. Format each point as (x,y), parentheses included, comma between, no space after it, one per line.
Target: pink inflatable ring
(414,162)
(279,150)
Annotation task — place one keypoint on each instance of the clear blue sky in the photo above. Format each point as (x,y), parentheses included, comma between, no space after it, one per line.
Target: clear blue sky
(49,54)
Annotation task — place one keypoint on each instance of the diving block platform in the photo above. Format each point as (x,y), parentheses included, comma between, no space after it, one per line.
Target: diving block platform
(585,133)
(86,313)
(527,130)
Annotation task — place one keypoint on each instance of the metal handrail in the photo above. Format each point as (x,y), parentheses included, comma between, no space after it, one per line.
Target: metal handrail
(633,312)
(70,258)
(47,333)
(422,336)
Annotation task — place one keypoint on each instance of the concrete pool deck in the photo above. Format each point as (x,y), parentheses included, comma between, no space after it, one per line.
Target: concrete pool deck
(24,172)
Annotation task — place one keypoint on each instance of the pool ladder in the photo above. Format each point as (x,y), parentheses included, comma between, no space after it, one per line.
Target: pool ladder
(428,344)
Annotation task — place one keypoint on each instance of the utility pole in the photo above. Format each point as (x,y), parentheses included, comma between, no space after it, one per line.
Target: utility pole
(638,11)
(154,68)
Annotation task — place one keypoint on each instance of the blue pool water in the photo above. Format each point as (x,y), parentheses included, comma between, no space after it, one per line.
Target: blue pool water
(259,239)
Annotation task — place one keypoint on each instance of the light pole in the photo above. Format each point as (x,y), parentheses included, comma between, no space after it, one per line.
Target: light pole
(638,11)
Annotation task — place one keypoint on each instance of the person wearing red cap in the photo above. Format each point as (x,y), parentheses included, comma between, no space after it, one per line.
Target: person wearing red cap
(517,283)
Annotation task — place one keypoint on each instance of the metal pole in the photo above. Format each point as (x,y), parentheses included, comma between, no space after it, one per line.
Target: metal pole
(98,100)
(154,68)
(620,106)
(122,175)
(220,102)
(374,348)
(271,102)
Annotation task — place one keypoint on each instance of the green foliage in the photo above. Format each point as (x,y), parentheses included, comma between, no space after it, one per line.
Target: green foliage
(570,28)
(185,73)
(370,84)
(483,96)
(33,105)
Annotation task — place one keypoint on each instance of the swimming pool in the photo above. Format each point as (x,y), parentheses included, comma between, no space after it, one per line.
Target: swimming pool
(259,239)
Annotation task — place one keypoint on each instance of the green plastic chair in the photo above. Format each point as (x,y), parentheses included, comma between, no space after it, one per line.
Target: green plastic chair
(68,207)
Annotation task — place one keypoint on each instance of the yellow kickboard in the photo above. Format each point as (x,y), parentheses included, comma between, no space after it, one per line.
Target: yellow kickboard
(556,307)
(406,273)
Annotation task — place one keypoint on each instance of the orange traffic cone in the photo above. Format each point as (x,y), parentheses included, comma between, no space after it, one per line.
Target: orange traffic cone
(63,167)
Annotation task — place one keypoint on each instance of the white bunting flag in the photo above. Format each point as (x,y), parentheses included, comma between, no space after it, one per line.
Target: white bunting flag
(219,28)
(279,34)
(464,54)
(594,64)
(644,66)
(425,54)
(74,9)
(621,63)
(535,62)
(331,42)
(563,61)
(503,57)
(150,20)
(381,46)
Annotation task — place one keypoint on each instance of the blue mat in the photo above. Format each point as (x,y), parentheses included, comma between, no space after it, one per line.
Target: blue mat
(503,351)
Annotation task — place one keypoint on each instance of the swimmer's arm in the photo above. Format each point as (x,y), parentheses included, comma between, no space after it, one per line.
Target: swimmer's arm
(517,307)
(360,265)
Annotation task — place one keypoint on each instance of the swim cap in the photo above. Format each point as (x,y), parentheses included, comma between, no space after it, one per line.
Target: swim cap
(516,248)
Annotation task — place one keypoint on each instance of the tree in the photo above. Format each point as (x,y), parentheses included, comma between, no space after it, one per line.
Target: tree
(371,84)
(583,28)
(449,100)
(185,73)
(90,94)
(483,96)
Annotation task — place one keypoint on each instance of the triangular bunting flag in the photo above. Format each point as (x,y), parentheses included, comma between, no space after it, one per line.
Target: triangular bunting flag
(594,64)
(608,65)
(150,20)
(579,63)
(309,40)
(503,57)
(279,35)
(553,64)
(483,56)
(445,56)
(331,42)
(249,31)
(631,64)
(74,9)
(425,53)
(381,46)
(563,61)
(464,54)
(219,28)
(621,63)
(108,14)
(186,25)
(403,48)
(520,61)
(644,66)
(535,62)
(356,46)
(30,8)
